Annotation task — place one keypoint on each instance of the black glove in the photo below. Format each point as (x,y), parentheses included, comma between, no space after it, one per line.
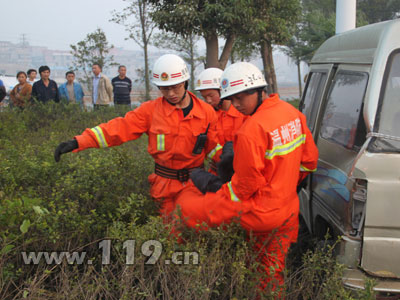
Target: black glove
(65,147)
(205,182)
(225,165)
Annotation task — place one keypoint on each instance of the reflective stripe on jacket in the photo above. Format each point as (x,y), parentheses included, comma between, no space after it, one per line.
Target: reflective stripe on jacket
(171,136)
(272,148)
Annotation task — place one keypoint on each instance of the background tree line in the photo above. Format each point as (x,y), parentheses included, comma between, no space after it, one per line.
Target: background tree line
(232,30)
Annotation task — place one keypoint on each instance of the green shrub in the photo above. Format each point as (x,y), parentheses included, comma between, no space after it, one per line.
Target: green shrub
(98,195)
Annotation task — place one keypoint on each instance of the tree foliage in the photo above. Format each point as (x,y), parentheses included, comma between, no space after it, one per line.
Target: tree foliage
(209,19)
(135,17)
(186,47)
(273,23)
(319,19)
(379,10)
(243,50)
(317,26)
(93,49)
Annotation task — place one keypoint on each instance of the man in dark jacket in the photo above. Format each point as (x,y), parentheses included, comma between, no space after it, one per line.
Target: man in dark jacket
(45,89)
(122,87)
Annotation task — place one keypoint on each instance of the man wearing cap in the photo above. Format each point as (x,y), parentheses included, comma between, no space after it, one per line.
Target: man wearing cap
(181,132)
(274,151)
(45,89)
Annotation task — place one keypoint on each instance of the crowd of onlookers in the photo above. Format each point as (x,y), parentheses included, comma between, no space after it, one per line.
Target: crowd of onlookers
(104,92)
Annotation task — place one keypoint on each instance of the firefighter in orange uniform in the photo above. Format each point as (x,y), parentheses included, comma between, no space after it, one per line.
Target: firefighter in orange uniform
(229,119)
(181,132)
(273,151)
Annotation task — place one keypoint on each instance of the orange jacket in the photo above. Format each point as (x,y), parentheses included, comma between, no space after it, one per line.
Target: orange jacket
(271,149)
(171,137)
(228,123)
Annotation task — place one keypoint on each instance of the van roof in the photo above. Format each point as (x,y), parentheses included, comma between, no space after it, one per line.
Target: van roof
(355,46)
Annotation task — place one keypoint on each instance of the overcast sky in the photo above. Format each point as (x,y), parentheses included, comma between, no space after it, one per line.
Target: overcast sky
(57,24)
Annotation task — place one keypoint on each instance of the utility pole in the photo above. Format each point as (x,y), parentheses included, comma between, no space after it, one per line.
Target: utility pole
(24,40)
(345,15)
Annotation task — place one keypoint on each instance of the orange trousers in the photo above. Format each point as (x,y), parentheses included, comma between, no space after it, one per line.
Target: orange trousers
(272,233)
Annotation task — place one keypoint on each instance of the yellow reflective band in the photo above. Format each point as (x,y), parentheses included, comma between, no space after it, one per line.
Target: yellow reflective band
(101,140)
(287,148)
(233,195)
(214,151)
(304,169)
(160,142)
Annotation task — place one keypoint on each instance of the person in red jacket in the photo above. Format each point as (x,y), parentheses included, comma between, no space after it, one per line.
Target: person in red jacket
(273,151)
(181,132)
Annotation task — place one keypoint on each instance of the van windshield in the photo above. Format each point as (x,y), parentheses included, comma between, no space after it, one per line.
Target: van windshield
(389,118)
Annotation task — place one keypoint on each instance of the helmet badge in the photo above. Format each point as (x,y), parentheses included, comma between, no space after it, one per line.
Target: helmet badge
(224,83)
(164,76)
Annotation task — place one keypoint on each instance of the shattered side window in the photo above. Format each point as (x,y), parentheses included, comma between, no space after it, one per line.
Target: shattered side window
(312,98)
(389,118)
(343,122)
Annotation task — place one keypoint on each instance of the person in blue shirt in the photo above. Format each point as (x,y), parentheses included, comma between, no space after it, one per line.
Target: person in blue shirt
(71,91)
(2,91)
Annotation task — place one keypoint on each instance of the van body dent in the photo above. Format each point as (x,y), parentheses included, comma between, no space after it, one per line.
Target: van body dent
(352,105)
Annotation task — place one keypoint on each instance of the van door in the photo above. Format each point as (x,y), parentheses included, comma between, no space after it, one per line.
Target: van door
(381,165)
(309,106)
(339,132)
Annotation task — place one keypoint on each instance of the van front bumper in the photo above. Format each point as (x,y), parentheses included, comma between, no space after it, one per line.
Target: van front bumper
(355,279)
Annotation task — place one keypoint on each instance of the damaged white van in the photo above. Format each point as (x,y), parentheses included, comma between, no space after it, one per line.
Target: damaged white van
(352,105)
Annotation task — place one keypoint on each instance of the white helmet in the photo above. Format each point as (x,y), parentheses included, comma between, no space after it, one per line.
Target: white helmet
(170,69)
(209,79)
(240,77)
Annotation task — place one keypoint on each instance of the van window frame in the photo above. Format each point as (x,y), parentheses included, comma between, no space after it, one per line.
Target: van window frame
(347,69)
(314,114)
(382,92)
(330,70)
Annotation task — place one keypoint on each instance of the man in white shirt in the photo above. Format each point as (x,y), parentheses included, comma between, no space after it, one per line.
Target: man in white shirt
(31,76)
(102,92)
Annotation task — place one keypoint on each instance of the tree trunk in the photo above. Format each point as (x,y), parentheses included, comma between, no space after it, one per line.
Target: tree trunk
(298,62)
(211,50)
(142,14)
(192,63)
(223,60)
(268,64)
(146,72)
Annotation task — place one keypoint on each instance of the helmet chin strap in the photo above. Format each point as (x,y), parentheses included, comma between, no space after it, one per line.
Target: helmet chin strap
(219,106)
(183,97)
(259,101)
(221,101)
